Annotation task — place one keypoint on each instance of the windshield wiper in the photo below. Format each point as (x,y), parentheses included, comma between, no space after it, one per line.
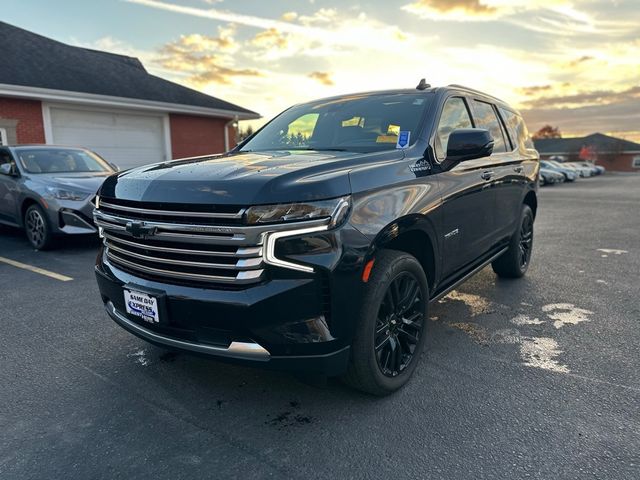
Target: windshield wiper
(329,149)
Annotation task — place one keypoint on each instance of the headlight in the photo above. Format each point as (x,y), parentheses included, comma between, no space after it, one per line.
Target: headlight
(62,194)
(335,209)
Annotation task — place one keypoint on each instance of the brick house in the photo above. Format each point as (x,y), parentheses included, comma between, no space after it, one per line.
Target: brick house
(55,93)
(615,154)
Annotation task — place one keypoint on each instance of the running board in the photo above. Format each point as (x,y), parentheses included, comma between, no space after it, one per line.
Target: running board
(467,276)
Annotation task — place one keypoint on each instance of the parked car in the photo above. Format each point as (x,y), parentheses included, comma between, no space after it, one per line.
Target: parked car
(317,244)
(595,169)
(47,190)
(583,171)
(550,177)
(570,175)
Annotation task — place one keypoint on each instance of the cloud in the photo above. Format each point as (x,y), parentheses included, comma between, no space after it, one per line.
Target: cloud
(450,9)
(271,39)
(289,16)
(204,59)
(594,97)
(323,77)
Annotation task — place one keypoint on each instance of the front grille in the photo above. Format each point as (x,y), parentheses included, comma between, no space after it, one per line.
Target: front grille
(181,243)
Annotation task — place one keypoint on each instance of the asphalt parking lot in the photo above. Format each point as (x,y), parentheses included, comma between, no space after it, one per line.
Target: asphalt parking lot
(533,378)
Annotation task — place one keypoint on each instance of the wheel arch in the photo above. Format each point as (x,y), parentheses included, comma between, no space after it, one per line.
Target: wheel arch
(26,203)
(531,199)
(413,235)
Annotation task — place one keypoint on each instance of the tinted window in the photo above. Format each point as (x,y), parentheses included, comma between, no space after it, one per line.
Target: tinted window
(485,117)
(355,123)
(517,129)
(5,157)
(60,160)
(454,115)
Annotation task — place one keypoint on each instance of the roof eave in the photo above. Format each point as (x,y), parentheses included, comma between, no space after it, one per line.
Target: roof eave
(45,94)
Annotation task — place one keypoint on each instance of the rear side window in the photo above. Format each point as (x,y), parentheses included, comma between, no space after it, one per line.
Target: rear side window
(454,115)
(485,117)
(517,129)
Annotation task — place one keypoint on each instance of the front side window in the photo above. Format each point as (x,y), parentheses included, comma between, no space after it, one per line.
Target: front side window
(360,123)
(60,160)
(485,117)
(454,115)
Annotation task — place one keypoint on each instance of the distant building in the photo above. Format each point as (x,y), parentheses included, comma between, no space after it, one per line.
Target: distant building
(55,93)
(615,154)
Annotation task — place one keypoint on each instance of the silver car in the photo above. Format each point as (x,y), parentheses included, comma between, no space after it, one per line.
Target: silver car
(47,190)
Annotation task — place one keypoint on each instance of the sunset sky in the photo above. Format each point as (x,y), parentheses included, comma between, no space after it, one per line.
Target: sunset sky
(574,64)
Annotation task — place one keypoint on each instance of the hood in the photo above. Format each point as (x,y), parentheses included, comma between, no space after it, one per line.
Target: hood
(89,182)
(242,178)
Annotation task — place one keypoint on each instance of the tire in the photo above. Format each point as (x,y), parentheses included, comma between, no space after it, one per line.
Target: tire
(514,263)
(37,228)
(381,371)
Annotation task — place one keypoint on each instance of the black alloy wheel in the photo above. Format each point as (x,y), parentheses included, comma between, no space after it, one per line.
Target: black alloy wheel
(390,333)
(526,241)
(399,324)
(516,260)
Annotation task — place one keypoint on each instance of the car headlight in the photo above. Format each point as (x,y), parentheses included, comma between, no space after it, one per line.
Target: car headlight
(62,194)
(335,209)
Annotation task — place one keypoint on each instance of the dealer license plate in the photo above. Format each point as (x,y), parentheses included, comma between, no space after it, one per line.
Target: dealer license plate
(142,305)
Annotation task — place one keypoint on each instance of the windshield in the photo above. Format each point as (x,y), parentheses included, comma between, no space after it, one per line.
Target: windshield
(61,160)
(360,123)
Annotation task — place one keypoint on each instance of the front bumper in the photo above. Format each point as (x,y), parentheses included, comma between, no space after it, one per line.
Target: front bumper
(294,321)
(71,217)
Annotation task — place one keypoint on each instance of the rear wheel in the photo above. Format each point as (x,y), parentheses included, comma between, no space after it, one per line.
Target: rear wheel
(37,228)
(515,261)
(390,332)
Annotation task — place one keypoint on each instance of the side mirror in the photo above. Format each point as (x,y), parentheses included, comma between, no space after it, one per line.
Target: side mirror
(7,169)
(467,144)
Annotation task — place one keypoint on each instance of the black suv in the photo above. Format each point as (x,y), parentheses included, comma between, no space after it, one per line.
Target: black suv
(317,244)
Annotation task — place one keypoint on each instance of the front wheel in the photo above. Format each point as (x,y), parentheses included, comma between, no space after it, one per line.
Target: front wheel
(391,325)
(37,228)
(515,261)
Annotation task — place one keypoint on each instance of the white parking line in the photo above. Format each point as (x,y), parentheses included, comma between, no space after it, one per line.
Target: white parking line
(31,268)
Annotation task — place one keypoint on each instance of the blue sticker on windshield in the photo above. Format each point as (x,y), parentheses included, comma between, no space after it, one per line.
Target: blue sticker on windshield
(403,139)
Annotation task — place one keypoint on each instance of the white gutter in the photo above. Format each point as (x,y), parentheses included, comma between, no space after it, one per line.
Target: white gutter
(19,91)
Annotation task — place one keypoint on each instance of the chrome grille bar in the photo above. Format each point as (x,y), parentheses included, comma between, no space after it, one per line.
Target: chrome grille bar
(239,278)
(169,213)
(239,265)
(242,252)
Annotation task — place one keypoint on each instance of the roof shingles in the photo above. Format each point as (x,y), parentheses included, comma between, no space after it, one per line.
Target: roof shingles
(599,141)
(32,60)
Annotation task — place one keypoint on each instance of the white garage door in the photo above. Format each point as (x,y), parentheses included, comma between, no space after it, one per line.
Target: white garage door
(126,139)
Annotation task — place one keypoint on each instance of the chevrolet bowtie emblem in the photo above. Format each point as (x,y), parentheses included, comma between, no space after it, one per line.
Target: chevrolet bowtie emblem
(140,230)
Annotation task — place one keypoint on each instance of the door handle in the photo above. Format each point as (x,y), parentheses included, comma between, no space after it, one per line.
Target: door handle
(518,169)
(487,175)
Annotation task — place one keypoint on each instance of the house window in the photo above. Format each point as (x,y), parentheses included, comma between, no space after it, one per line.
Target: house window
(3,136)
(635,161)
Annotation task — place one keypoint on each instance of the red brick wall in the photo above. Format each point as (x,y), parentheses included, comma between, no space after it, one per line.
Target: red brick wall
(30,127)
(192,136)
(618,163)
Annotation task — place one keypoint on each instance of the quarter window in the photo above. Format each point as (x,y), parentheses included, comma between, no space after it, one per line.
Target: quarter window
(517,129)
(454,115)
(485,117)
